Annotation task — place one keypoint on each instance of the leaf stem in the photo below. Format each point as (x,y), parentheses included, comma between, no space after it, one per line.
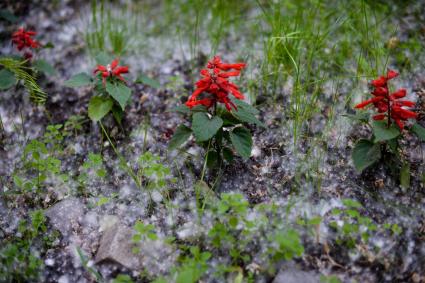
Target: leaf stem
(122,159)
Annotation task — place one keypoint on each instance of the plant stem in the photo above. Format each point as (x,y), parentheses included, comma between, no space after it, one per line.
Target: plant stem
(389,111)
(122,159)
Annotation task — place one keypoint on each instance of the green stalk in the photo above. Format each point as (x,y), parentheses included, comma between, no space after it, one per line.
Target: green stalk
(122,159)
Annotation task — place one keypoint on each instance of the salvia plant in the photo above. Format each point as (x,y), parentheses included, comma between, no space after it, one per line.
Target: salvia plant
(25,66)
(389,125)
(220,130)
(111,91)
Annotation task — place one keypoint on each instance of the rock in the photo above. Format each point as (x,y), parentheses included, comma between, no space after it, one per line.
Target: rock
(116,245)
(107,221)
(290,273)
(65,214)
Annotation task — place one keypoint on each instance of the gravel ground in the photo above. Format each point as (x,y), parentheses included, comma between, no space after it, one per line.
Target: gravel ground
(276,173)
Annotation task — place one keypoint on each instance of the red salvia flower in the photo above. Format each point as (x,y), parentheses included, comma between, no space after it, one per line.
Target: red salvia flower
(215,82)
(389,103)
(111,70)
(23,40)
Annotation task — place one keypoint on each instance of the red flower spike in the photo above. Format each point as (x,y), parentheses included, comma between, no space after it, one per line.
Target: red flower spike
(111,70)
(215,83)
(389,103)
(23,40)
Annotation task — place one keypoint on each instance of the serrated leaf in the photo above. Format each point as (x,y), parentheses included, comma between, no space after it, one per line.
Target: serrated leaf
(246,116)
(99,107)
(419,131)
(405,176)
(246,106)
(198,108)
(246,113)
(119,92)
(78,80)
(143,79)
(205,128)
(45,67)
(181,134)
(365,153)
(382,132)
(242,141)
(7,79)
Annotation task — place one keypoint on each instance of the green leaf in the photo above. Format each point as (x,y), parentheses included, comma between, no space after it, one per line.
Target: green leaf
(212,158)
(351,203)
(118,113)
(382,132)
(227,154)
(242,141)
(49,45)
(405,176)
(203,127)
(103,59)
(181,134)
(181,109)
(248,107)
(419,131)
(45,67)
(365,153)
(7,79)
(99,107)
(246,113)
(78,80)
(119,92)
(142,78)
(360,116)
(9,16)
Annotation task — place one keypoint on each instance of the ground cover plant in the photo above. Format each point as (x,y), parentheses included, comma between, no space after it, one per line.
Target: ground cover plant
(212,141)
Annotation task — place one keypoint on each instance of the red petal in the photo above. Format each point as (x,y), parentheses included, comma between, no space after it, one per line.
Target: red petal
(399,123)
(380,91)
(229,74)
(366,102)
(114,63)
(406,103)
(101,68)
(121,70)
(399,93)
(391,74)
(205,73)
(236,66)
(379,117)
(381,82)
(196,93)
(406,114)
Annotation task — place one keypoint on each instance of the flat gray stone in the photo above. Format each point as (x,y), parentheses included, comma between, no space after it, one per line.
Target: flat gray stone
(292,274)
(116,245)
(64,214)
